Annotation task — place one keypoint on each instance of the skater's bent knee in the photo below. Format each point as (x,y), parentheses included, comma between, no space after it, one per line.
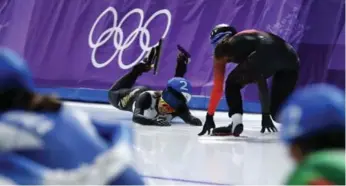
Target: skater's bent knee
(113,98)
(232,84)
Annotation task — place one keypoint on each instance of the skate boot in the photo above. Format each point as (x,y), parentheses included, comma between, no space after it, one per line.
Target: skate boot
(147,63)
(230,130)
(151,61)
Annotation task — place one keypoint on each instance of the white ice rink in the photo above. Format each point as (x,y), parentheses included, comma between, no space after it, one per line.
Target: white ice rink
(177,156)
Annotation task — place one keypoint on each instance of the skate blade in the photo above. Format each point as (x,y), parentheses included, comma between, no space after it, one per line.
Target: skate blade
(250,139)
(222,134)
(158,57)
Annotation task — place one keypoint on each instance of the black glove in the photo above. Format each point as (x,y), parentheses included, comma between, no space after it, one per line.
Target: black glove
(181,67)
(268,124)
(195,121)
(184,53)
(162,122)
(182,58)
(209,124)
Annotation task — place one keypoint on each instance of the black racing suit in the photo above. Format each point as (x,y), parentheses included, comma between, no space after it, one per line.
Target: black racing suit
(259,55)
(125,96)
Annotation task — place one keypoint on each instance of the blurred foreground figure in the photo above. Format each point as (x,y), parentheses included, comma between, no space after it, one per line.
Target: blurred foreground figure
(313,127)
(44,142)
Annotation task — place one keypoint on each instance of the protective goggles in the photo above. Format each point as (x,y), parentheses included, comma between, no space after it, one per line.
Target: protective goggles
(165,107)
(219,37)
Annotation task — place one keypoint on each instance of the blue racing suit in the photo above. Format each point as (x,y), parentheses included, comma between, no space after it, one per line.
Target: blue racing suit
(65,147)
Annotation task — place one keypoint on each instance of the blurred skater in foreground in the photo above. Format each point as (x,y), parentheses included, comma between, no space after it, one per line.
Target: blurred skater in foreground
(259,55)
(44,142)
(151,107)
(313,127)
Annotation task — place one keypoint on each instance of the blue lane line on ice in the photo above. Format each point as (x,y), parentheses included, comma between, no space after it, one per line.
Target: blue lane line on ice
(101,96)
(185,180)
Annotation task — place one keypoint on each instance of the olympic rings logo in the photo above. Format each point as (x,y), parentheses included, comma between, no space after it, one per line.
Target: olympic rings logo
(120,44)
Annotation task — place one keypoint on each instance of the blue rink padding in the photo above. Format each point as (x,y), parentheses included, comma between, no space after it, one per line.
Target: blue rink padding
(101,96)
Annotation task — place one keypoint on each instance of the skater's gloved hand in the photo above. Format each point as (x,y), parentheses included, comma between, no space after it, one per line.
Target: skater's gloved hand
(195,121)
(268,124)
(208,125)
(160,121)
(181,67)
(182,58)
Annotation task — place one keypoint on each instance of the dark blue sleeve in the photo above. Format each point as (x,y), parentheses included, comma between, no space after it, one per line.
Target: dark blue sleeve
(111,133)
(20,169)
(105,130)
(129,177)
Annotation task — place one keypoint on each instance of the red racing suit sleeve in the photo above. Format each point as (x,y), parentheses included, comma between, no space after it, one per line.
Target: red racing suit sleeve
(216,94)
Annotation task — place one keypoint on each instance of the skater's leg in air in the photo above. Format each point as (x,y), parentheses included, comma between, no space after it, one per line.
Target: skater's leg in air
(123,87)
(122,90)
(184,113)
(127,81)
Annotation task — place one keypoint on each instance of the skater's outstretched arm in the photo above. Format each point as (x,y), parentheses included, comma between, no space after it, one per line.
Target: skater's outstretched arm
(264,95)
(143,103)
(183,59)
(217,91)
(267,123)
(216,94)
(188,118)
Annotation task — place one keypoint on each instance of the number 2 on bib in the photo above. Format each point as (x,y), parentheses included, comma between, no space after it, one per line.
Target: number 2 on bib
(183,85)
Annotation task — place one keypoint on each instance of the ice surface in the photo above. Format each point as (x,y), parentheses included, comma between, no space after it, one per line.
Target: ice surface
(177,156)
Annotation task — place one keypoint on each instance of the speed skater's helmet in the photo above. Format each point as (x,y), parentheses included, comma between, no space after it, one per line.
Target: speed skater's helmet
(177,93)
(313,109)
(221,31)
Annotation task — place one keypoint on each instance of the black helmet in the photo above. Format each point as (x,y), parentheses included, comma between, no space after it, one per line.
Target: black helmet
(221,30)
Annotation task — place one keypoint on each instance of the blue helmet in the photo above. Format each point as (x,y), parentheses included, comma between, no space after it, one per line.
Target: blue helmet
(221,31)
(177,92)
(313,109)
(14,73)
